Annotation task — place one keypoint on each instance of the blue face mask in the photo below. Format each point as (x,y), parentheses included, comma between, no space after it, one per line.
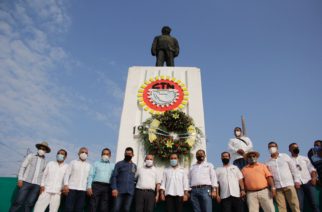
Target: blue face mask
(173,162)
(60,157)
(317,148)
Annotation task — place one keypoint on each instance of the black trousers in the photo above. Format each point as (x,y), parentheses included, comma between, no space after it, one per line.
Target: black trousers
(75,201)
(101,197)
(144,200)
(174,203)
(232,204)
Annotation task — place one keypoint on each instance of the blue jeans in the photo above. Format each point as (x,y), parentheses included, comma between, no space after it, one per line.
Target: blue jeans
(123,200)
(75,201)
(26,197)
(201,199)
(307,190)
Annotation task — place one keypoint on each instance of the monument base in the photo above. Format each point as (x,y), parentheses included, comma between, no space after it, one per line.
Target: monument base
(133,115)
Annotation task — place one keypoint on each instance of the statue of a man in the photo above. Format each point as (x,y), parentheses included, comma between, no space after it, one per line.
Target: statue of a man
(165,48)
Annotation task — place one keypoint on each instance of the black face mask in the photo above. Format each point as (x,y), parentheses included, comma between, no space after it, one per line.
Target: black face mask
(225,161)
(200,158)
(127,158)
(296,151)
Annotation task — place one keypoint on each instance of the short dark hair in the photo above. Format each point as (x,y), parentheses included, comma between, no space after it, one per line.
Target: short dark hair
(318,141)
(225,153)
(272,142)
(237,128)
(129,149)
(174,154)
(63,151)
(291,144)
(166,30)
(201,151)
(106,149)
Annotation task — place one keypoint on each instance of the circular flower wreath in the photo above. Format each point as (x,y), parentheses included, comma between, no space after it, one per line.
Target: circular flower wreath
(167,133)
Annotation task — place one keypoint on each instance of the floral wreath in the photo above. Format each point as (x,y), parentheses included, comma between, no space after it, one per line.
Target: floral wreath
(168,133)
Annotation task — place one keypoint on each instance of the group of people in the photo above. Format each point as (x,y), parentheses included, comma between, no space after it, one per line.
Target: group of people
(242,182)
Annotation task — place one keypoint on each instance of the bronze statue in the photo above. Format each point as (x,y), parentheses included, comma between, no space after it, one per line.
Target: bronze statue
(165,48)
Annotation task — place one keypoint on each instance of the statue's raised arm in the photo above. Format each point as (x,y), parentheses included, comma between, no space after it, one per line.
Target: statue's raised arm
(165,48)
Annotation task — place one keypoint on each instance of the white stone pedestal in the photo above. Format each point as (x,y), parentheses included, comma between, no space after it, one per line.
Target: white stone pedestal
(133,114)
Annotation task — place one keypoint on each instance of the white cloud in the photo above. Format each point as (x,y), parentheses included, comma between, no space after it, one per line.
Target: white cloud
(32,104)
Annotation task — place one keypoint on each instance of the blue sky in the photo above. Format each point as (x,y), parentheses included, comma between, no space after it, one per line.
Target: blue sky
(63,68)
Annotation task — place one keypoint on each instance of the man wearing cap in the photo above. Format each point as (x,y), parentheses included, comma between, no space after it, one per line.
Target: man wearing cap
(257,181)
(29,178)
(308,177)
(238,147)
(286,178)
(52,184)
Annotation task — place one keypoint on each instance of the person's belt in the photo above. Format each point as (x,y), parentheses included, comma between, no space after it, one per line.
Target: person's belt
(100,183)
(201,186)
(145,190)
(257,189)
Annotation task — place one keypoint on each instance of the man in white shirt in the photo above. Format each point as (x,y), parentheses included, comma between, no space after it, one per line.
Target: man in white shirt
(239,147)
(174,186)
(75,182)
(231,185)
(203,183)
(147,186)
(308,177)
(285,176)
(52,184)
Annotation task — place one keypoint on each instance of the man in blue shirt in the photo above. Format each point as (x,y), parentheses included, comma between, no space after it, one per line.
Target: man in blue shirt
(98,185)
(123,182)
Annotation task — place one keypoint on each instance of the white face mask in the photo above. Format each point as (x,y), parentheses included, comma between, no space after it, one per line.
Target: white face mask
(273,150)
(149,163)
(83,156)
(41,152)
(105,158)
(238,133)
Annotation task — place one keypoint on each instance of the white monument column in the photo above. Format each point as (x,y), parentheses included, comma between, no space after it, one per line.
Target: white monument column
(133,115)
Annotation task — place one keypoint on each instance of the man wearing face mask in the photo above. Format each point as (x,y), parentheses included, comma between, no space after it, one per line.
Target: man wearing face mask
(259,184)
(174,186)
(98,185)
(75,182)
(238,147)
(203,183)
(147,187)
(285,176)
(231,185)
(29,179)
(308,177)
(123,182)
(52,184)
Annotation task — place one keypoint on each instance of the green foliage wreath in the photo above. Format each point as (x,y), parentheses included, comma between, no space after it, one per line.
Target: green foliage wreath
(170,132)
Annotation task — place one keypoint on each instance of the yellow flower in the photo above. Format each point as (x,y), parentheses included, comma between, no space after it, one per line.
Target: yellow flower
(152,137)
(169,144)
(192,130)
(153,126)
(175,115)
(190,141)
